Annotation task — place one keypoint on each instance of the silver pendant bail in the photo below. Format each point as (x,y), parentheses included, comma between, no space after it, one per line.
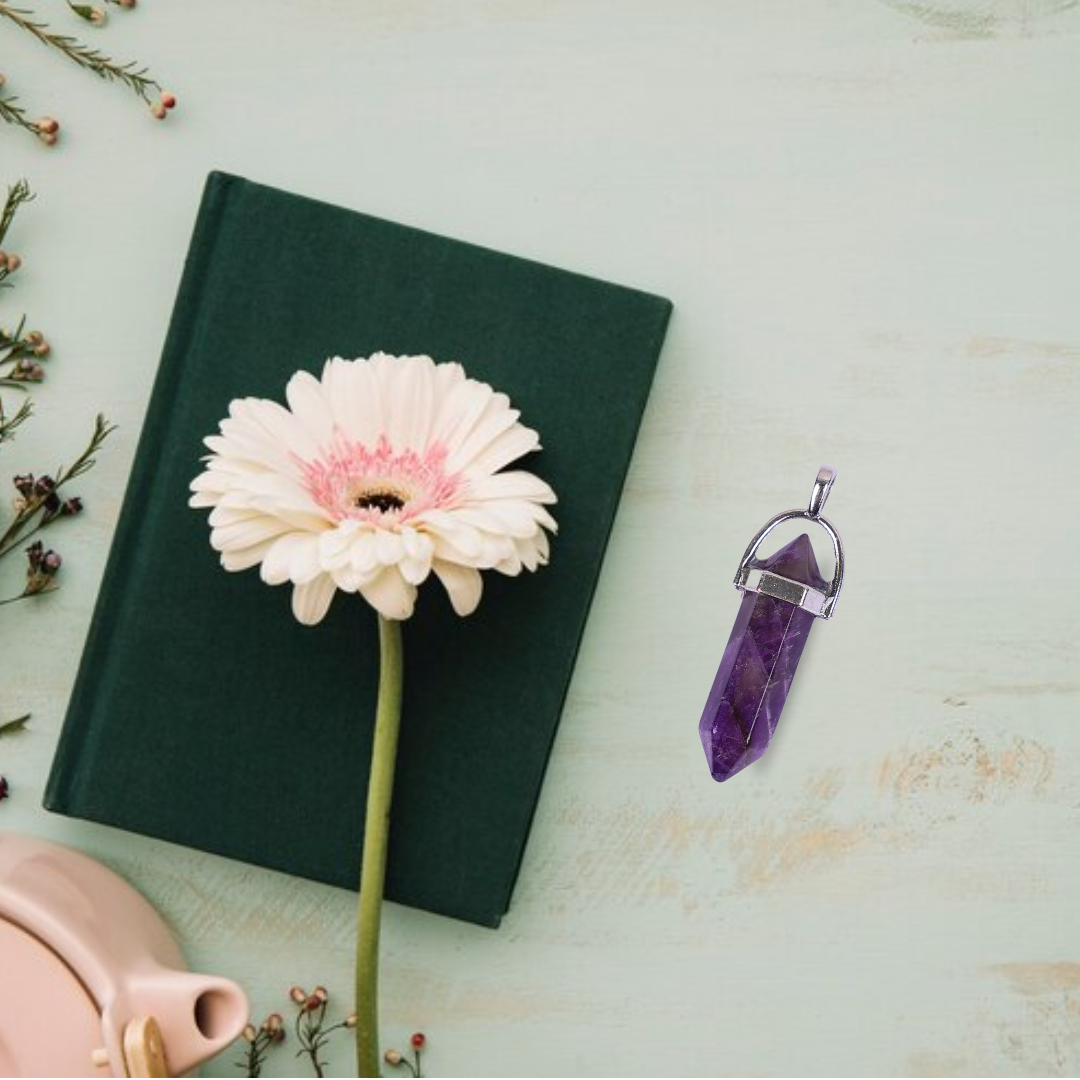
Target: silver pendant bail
(821,604)
(822,486)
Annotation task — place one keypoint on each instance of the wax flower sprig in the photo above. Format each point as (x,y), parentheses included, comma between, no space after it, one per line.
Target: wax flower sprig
(312,1032)
(398,1060)
(39,500)
(130,74)
(259,1041)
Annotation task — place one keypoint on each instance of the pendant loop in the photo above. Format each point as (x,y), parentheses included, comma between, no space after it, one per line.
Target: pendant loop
(820,604)
(822,486)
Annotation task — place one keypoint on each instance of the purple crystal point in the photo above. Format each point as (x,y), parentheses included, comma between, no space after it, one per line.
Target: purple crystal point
(759,663)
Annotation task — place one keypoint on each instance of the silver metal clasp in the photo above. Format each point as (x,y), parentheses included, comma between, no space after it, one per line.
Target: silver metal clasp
(752,579)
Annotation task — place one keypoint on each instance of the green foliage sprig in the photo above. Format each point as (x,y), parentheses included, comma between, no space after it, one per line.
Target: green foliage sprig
(134,76)
(41,500)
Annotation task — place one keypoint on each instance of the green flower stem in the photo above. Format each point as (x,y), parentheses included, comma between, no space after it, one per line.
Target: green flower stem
(376,832)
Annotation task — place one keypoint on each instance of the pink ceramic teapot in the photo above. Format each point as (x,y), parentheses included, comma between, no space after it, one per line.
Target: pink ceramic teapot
(91,981)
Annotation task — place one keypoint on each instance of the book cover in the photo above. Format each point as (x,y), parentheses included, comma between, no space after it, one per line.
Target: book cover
(203,713)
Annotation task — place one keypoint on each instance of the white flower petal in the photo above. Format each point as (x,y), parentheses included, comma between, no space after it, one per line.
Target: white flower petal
(309,406)
(390,594)
(335,544)
(494,422)
(501,451)
(277,563)
(363,556)
(463,584)
(294,557)
(415,571)
(245,558)
(511,485)
(388,547)
(355,399)
(245,532)
(411,405)
(311,601)
(448,528)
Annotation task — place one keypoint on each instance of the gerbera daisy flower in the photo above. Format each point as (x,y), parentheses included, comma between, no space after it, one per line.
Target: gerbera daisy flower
(381,472)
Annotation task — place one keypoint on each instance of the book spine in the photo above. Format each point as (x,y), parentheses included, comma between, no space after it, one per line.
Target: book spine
(119,586)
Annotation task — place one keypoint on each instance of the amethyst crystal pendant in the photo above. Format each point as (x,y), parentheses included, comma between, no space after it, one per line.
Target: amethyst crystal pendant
(782,595)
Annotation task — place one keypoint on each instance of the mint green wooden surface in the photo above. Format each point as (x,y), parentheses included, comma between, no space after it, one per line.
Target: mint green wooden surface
(868,216)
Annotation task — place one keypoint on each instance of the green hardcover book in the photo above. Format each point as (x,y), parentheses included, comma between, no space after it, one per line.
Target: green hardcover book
(203,713)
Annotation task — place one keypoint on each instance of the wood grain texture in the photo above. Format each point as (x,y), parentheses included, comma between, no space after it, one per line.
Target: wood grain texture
(867,214)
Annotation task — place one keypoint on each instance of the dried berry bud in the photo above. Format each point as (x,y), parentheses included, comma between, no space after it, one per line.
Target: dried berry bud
(249,1033)
(159,111)
(168,100)
(350,1020)
(312,1004)
(24,485)
(47,138)
(35,337)
(418,1040)
(3,79)
(126,3)
(27,370)
(3,260)
(393,1057)
(298,994)
(48,126)
(321,993)
(44,485)
(71,507)
(51,562)
(13,263)
(34,554)
(42,349)
(5,788)
(273,1023)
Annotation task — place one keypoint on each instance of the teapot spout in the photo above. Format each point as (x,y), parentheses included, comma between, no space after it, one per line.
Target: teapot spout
(198,1015)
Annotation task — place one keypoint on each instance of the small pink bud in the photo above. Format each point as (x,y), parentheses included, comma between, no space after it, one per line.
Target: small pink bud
(47,137)
(42,349)
(35,337)
(298,994)
(48,125)
(168,99)
(159,111)
(13,263)
(321,993)
(249,1033)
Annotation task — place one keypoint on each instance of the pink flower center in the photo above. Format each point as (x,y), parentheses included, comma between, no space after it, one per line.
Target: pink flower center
(380,485)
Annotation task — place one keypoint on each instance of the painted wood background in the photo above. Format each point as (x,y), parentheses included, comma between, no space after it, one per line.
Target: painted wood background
(867,213)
